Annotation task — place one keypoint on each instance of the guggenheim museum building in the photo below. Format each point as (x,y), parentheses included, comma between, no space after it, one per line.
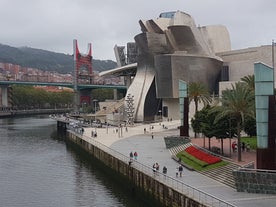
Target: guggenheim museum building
(172,48)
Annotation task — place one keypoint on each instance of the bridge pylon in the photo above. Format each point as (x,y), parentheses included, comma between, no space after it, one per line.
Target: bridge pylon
(83,74)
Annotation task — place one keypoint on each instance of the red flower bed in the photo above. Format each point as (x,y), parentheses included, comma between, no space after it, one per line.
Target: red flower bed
(210,159)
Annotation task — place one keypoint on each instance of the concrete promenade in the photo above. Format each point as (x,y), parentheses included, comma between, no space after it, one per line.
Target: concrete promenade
(151,150)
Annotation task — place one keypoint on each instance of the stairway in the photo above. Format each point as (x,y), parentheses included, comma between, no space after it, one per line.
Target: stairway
(176,149)
(222,174)
(109,109)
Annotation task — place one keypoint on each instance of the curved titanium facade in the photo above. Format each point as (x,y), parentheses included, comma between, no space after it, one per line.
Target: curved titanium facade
(172,49)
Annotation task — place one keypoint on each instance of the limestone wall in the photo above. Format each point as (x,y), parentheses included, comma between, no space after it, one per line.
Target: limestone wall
(241,62)
(151,187)
(255,181)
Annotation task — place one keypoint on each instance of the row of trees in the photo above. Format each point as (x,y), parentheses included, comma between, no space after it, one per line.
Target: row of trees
(226,118)
(29,97)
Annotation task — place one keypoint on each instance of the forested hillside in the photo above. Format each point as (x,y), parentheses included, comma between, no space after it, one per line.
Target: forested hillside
(46,60)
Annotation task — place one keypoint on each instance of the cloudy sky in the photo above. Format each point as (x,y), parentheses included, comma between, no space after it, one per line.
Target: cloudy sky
(53,24)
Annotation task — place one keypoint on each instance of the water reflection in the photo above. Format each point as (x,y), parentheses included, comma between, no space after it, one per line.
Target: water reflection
(38,167)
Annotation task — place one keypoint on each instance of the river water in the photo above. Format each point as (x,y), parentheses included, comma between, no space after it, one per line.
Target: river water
(38,168)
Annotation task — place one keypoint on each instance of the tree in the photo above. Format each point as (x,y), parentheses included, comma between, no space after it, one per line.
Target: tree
(198,93)
(250,81)
(250,122)
(198,120)
(30,97)
(237,103)
(200,123)
(102,94)
(250,126)
(22,96)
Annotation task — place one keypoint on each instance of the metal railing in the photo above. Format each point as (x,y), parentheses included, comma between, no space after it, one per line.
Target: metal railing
(249,165)
(185,189)
(246,169)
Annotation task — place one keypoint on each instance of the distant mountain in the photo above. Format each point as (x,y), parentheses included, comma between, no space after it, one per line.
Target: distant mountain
(46,60)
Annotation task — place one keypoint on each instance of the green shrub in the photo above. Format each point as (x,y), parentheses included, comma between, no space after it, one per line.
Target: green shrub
(252,141)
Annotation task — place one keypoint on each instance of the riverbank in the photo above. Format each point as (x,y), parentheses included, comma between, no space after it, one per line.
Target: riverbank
(18,113)
(151,149)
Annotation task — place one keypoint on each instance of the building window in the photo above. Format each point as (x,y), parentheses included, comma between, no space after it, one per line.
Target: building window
(165,111)
(167,15)
(225,73)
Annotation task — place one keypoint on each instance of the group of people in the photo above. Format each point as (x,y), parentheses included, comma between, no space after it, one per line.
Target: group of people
(155,167)
(244,146)
(132,156)
(94,134)
(179,169)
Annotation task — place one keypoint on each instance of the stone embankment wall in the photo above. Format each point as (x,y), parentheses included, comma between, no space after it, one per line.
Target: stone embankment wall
(165,195)
(255,181)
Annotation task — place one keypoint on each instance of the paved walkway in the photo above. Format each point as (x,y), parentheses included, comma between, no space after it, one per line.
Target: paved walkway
(151,150)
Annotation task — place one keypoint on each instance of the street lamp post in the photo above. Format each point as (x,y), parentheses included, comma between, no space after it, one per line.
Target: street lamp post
(160,113)
(273,61)
(95,102)
(83,105)
(273,54)
(95,105)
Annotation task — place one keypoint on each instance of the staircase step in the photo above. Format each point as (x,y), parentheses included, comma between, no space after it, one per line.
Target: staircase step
(222,174)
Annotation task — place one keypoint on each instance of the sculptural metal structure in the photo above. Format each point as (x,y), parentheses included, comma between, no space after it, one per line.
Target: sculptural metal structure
(173,48)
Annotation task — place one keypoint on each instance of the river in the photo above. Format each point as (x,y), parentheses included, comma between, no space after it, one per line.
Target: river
(38,168)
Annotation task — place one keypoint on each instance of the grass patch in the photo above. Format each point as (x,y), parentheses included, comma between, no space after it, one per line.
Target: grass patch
(252,141)
(198,164)
(194,159)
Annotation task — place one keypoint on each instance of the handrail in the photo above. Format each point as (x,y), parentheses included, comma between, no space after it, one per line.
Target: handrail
(255,170)
(198,195)
(248,165)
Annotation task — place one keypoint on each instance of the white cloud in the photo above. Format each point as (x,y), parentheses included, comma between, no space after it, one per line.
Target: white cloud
(53,24)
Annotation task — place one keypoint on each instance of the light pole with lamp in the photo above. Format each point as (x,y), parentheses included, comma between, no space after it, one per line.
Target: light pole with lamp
(95,105)
(160,113)
(273,61)
(273,54)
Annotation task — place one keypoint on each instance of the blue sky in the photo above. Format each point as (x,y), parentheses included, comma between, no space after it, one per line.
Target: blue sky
(53,24)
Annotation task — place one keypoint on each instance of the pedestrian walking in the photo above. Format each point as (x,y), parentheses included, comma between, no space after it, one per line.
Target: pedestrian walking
(135,155)
(131,156)
(180,169)
(152,135)
(154,168)
(157,167)
(176,172)
(164,170)
(234,145)
(243,146)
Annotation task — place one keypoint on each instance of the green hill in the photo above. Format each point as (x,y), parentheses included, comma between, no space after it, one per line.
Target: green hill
(46,60)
